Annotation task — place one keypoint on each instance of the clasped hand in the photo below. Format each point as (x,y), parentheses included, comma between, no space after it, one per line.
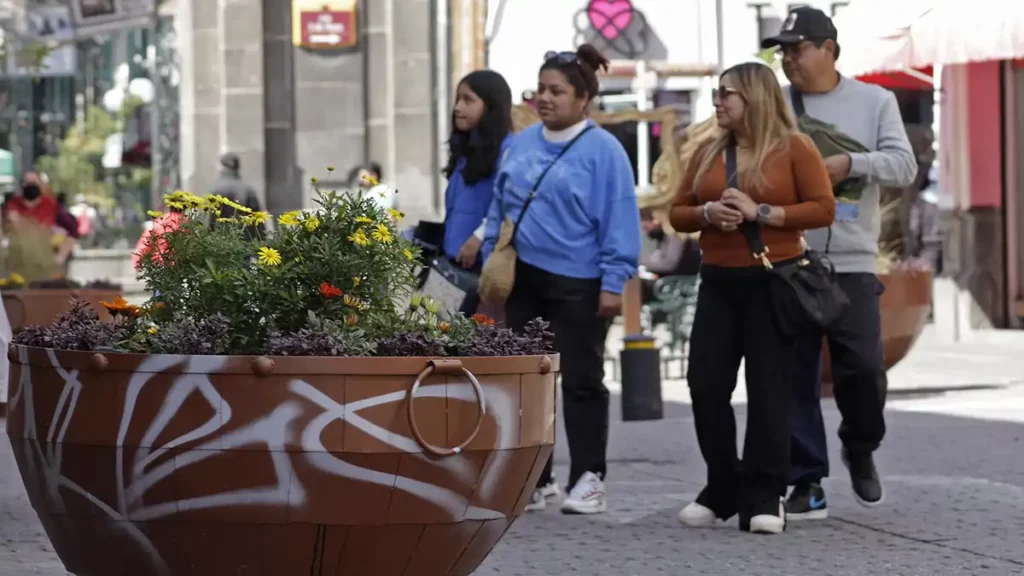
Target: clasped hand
(729,212)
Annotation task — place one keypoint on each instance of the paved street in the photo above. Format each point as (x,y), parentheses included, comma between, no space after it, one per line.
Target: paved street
(953,463)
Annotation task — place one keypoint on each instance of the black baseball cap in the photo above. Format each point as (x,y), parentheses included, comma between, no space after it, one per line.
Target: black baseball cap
(804,23)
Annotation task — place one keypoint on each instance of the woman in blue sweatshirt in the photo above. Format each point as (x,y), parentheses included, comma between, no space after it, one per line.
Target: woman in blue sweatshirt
(481,127)
(578,242)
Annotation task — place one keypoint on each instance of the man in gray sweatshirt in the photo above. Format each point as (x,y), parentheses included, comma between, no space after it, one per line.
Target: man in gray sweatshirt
(869,115)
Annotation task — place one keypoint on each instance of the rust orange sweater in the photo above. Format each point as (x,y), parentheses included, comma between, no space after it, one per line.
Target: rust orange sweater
(796,181)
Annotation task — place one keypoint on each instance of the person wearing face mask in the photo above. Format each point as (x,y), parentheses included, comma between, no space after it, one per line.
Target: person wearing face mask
(780,185)
(33,203)
(570,186)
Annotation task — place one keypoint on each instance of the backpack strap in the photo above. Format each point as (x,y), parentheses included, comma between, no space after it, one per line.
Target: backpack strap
(798,101)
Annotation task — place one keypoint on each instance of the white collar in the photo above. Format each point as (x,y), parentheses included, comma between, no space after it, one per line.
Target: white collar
(566,134)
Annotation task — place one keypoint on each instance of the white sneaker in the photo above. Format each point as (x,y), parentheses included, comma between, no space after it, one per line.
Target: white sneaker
(537,501)
(586,497)
(551,490)
(697,515)
(769,523)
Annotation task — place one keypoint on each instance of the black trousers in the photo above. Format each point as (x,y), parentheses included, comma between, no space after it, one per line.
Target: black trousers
(735,320)
(859,382)
(570,305)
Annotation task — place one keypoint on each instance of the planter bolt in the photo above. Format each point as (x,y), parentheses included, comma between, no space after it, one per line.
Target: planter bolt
(545,365)
(263,366)
(99,362)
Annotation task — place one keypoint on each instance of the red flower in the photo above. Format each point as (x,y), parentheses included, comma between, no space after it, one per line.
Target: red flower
(483,320)
(329,291)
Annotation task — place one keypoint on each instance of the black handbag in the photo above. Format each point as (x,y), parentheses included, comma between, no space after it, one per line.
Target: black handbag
(804,290)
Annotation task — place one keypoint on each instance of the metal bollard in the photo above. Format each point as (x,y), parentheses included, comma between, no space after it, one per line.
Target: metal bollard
(641,379)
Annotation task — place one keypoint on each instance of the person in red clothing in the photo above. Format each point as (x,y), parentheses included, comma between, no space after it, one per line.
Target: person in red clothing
(166,222)
(33,202)
(783,187)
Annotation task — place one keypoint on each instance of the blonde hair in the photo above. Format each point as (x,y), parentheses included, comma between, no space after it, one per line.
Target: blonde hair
(766,121)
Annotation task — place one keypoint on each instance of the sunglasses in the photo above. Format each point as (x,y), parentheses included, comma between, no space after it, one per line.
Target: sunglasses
(563,57)
(723,92)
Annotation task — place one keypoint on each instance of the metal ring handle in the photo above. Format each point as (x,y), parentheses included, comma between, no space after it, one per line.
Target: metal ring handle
(418,436)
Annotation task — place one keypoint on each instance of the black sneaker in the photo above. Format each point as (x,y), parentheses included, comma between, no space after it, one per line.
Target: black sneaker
(867,487)
(807,502)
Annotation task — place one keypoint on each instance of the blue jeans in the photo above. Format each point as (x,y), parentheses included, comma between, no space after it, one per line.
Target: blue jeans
(859,382)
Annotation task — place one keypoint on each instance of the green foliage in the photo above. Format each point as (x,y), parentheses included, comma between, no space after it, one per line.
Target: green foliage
(28,254)
(335,270)
(324,285)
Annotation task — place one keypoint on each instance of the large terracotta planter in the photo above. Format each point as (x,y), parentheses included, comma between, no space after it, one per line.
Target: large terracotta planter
(213,466)
(905,306)
(30,306)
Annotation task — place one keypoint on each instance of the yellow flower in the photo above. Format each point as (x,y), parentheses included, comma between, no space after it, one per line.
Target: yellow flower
(226,220)
(268,256)
(16,279)
(364,220)
(352,301)
(176,205)
(408,254)
(255,219)
(359,238)
(232,204)
(289,218)
(396,214)
(370,180)
(313,180)
(382,234)
(311,223)
(3,282)
(184,199)
(330,168)
(153,330)
(355,281)
(154,213)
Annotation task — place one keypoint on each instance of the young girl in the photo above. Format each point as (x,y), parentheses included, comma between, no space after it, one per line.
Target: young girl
(481,132)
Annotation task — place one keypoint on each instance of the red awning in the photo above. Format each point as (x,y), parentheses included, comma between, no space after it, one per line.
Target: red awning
(901,80)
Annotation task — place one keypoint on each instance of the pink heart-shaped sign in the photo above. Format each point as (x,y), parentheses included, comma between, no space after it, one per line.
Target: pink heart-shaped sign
(610,17)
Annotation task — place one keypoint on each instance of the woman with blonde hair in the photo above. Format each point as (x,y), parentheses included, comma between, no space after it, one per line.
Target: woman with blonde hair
(758,171)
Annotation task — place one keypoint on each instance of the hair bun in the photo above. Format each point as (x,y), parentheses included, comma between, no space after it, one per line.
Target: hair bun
(592,57)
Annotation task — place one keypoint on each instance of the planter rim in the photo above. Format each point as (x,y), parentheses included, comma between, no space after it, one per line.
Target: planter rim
(276,365)
(6,291)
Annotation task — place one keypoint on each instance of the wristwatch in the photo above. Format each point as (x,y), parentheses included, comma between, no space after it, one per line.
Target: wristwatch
(763,212)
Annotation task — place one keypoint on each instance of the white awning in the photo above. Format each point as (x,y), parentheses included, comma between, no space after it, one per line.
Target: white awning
(900,35)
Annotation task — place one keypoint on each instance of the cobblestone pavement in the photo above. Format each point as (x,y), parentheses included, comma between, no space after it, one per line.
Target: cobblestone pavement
(953,464)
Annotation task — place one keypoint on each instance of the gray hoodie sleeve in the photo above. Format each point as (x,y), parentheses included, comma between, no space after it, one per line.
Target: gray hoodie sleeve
(893,163)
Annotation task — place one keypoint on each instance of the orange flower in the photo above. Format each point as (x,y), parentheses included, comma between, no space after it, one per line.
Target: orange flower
(329,291)
(443,326)
(121,306)
(352,320)
(483,320)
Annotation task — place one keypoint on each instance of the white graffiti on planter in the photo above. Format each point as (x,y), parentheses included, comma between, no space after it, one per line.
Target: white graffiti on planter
(274,431)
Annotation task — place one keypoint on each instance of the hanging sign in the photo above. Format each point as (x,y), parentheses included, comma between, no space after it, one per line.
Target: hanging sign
(324,25)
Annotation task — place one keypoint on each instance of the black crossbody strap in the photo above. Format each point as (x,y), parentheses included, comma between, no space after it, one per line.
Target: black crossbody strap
(536,186)
(751,230)
(798,101)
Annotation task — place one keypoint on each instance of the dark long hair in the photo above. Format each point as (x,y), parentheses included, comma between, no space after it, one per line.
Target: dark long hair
(580,72)
(482,147)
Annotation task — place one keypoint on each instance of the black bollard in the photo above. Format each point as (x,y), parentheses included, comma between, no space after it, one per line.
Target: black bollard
(641,379)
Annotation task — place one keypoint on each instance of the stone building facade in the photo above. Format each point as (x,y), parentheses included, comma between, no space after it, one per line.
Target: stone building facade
(290,112)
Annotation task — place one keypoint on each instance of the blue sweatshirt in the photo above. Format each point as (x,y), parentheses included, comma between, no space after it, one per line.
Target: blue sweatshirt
(466,205)
(584,221)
